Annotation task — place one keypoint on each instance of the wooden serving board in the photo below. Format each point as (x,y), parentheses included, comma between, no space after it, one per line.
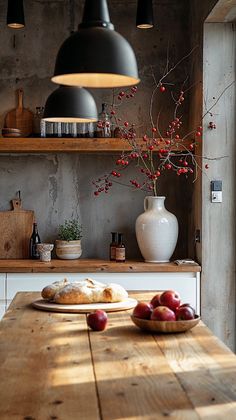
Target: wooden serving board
(44,305)
(20,117)
(15,231)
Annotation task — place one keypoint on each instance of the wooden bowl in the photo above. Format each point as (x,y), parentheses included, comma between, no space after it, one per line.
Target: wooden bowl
(165,326)
(11,132)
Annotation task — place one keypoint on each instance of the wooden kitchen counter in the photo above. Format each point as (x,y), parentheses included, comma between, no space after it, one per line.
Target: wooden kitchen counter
(91,266)
(53,367)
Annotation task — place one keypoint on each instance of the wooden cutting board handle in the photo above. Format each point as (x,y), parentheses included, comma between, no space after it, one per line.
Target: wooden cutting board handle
(16,204)
(19,94)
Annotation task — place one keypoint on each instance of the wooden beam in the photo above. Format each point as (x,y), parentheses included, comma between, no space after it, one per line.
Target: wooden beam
(224,11)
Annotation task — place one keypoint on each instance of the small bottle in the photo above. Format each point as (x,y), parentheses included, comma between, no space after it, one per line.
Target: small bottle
(113,246)
(120,249)
(37,121)
(103,125)
(34,240)
(43,130)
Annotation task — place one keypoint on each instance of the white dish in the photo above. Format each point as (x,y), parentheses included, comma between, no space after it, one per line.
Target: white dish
(124,305)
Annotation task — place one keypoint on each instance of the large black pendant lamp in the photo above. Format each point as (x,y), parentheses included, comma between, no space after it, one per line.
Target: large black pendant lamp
(15,14)
(144,17)
(70,104)
(96,56)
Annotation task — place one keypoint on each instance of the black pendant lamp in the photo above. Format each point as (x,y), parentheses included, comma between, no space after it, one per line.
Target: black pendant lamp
(70,104)
(144,17)
(96,55)
(15,14)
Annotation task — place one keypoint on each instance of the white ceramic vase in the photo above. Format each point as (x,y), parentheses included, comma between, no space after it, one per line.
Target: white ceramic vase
(156,231)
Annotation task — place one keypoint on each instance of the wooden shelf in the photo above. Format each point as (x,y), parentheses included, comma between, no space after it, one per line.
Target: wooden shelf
(70,145)
(92,266)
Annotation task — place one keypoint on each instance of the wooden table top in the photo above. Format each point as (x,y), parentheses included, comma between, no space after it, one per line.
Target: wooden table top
(53,367)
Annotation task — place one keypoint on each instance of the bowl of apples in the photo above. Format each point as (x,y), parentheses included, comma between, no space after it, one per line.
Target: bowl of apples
(165,313)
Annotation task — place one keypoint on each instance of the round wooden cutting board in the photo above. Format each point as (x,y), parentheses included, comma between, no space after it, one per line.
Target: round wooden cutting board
(44,305)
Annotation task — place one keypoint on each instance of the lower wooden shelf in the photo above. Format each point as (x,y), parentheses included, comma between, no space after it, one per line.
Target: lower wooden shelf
(92,266)
(82,145)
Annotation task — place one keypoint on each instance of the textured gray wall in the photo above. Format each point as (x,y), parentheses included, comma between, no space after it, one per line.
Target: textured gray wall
(59,186)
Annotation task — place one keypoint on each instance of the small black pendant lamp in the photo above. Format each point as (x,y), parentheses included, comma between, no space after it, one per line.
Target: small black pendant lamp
(144,17)
(70,104)
(15,14)
(96,56)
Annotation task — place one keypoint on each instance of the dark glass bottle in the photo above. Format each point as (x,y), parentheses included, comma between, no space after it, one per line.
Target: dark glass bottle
(113,246)
(34,240)
(120,249)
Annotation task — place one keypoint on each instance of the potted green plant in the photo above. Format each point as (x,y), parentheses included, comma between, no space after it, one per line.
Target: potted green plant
(68,246)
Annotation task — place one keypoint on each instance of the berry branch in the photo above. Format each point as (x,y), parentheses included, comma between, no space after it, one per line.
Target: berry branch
(152,155)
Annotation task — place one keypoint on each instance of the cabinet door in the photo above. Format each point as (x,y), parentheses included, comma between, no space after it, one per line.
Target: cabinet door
(2,286)
(187,284)
(2,294)
(27,282)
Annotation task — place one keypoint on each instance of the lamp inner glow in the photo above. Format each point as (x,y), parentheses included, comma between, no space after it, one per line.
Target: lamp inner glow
(96,80)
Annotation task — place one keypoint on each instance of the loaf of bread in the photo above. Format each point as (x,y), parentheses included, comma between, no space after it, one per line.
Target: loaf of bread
(89,291)
(49,291)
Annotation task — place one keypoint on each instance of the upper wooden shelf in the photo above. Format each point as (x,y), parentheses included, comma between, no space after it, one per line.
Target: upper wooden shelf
(92,266)
(60,145)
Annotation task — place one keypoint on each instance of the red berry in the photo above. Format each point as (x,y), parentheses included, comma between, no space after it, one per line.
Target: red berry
(198,133)
(126,124)
(177,137)
(96,193)
(114,173)
(154,129)
(162,88)
(191,146)
(207,166)
(151,147)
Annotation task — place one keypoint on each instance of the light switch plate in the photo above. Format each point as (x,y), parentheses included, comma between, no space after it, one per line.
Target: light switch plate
(216,196)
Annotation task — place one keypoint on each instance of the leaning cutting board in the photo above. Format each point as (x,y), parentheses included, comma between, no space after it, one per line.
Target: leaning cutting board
(20,117)
(15,231)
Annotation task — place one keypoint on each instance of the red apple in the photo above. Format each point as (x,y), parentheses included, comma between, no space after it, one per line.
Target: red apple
(163,313)
(143,310)
(184,312)
(156,300)
(97,320)
(171,299)
(187,304)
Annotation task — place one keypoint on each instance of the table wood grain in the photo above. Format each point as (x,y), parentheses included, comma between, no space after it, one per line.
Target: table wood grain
(53,367)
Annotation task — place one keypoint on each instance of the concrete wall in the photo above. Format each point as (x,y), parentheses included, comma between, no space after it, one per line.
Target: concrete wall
(214,67)
(59,186)
(218,220)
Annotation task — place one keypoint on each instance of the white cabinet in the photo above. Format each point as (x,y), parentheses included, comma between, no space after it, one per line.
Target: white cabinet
(2,294)
(186,283)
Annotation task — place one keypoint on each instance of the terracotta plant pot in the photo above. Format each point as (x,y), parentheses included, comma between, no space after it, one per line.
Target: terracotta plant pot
(68,250)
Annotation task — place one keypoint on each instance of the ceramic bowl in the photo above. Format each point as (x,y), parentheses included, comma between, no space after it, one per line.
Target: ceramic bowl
(165,326)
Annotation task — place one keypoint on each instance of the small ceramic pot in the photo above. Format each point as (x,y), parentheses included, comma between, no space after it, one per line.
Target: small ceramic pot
(68,250)
(45,251)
